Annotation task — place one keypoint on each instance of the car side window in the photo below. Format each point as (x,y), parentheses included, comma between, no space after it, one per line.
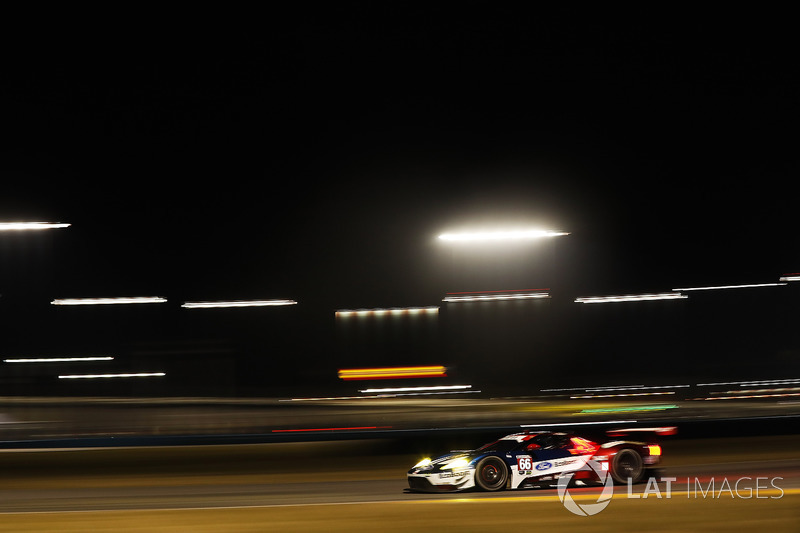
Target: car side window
(550,441)
(545,442)
(561,441)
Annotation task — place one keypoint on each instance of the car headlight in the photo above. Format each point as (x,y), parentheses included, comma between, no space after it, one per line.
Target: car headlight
(424,462)
(456,463)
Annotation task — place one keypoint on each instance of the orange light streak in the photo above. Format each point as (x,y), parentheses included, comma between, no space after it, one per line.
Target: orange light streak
(400,372)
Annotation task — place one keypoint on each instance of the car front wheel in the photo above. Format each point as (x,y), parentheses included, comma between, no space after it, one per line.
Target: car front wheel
(491,474)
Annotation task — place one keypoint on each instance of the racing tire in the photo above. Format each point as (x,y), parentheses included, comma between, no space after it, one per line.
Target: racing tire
(491,474)
(627,466)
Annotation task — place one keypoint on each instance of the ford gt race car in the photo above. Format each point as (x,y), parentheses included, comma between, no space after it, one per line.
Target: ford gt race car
(535,458)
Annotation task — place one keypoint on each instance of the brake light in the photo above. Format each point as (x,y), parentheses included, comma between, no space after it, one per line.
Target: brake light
(654,449)
(581,446)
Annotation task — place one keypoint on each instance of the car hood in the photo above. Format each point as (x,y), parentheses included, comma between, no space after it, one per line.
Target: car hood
(450,456)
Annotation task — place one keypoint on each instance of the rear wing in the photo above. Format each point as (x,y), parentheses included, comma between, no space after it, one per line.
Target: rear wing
(651,431)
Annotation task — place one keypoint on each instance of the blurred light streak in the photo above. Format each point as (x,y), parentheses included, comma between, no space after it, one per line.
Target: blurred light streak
(237,303)
(57,359)
(754,382)
(110,301)
(630,298)
(748,286)
(396,395)
(500,235)
(750,396)
(380,396)
(417,389)
(326,398)
(662,430)
(763,383)
(636,387)
(579,423)
(790,277)
(621,395)
(629,409)
(400,372)
(589,388)
(328,429)
(22,226)
(105,376)
(483,296)
(751,391)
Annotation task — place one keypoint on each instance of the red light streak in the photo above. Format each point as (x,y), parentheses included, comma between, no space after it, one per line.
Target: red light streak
(581,446)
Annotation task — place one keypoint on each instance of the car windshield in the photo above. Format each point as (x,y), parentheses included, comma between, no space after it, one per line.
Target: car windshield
(502,445)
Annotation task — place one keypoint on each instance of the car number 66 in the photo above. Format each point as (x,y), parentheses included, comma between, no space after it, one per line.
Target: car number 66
(524,463)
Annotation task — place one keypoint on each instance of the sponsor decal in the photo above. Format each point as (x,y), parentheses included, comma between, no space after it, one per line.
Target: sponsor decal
(452,474)
(544,466)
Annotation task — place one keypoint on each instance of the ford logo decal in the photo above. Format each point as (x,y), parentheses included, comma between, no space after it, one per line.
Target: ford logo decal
(544,466)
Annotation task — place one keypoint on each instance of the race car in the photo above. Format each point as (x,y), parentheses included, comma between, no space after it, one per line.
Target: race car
(534,458)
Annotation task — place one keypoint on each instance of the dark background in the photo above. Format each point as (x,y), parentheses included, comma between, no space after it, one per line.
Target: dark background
(316,155)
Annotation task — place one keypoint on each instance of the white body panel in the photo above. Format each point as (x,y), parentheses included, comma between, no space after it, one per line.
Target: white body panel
(553,467)
(462,478)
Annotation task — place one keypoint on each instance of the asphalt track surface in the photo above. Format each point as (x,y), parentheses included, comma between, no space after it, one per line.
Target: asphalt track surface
(360,486)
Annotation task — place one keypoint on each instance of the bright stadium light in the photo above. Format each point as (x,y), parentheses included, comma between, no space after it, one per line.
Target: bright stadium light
(393,311)
(507,235)
(237,303)
(58,359)
(110,301)
(630,298)
(717,287)
(487,296)
(24,226)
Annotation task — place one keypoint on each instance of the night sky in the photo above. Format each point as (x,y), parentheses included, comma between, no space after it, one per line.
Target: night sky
(317,155)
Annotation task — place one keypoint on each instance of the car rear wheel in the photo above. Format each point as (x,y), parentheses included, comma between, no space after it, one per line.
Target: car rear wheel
(627,465)
(491,474)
